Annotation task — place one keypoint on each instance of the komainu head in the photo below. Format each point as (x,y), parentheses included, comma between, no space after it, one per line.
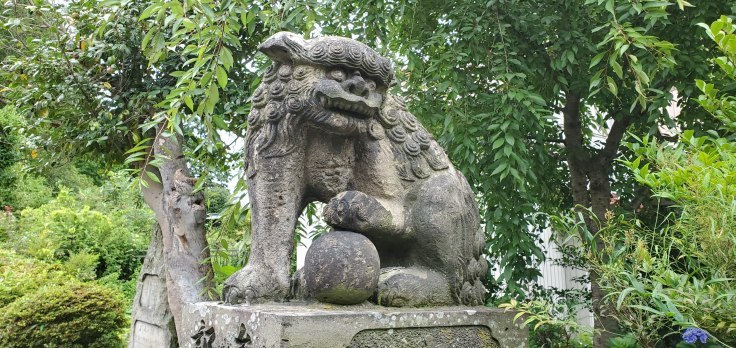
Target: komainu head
(340,86)
(332,82)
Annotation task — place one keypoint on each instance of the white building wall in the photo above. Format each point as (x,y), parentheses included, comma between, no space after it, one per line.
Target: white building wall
(554,275)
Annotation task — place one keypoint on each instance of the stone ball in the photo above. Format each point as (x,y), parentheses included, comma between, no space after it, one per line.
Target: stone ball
(341,267)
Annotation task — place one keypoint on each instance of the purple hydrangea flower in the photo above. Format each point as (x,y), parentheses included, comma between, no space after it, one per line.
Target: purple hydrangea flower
(693,334)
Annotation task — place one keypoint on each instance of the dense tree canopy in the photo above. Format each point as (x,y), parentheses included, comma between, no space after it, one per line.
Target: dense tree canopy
(531,99)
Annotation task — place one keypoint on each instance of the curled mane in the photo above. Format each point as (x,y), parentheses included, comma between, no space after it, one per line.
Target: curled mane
(279,109)
(416,151)
(274,127)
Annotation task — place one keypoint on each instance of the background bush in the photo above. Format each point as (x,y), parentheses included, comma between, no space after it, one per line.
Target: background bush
(679,270)
(103,229)
(9,153)
(72,315)
(23,275)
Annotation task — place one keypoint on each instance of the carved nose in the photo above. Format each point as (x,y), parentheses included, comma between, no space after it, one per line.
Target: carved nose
(355,84)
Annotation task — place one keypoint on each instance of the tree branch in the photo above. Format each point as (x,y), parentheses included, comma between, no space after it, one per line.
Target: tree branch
(613,141)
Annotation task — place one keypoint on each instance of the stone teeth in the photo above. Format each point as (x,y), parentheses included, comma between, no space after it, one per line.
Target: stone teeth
(346,106)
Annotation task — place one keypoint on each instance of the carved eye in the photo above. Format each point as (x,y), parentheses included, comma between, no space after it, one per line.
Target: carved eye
(370,85)
(337,75)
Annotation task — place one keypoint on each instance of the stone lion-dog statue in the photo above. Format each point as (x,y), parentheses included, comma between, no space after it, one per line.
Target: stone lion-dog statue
(323,127)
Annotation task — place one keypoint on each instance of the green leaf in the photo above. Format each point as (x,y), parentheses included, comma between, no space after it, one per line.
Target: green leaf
(612,86)
(598,57)
(226,57)
(221,77)
(153,177)
(609,6)
(498,143)
(207,10)
(147,39)
(148,12)
(617,69)
(190,103)
(509,139)
(622,297)
(213,96)
(501,167)
(537,99)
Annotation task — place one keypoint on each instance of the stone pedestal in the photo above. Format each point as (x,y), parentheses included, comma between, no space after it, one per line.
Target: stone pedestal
(210,324)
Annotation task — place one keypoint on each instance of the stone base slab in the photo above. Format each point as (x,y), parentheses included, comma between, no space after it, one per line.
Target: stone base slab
(212,324)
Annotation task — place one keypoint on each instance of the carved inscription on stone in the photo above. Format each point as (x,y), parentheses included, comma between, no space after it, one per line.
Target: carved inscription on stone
(151,293)
(149,336)
(204,336)
(243,340)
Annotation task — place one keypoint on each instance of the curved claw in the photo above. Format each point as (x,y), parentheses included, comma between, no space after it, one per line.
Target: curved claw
(231,294)
(234,295)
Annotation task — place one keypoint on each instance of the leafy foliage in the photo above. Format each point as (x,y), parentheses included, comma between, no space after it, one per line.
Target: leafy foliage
(9,153)
(486,78)
(29,190)
(74,70)
(678,273)
(71,315)
(723,33)
(229,239)
(22,275)
(552,323)
(96,232)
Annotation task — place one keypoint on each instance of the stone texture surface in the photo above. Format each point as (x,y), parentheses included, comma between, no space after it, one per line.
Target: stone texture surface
(152,325)
(414,337)
(323,127)
(341,267)
(209,324)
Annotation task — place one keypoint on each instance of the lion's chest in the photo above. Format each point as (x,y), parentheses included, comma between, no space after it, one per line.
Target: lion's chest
(329,165)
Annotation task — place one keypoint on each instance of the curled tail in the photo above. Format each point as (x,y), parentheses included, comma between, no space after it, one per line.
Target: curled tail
(472,265)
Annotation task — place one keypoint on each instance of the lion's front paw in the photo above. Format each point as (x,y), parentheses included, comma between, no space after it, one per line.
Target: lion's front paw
(356,211)
(253,284)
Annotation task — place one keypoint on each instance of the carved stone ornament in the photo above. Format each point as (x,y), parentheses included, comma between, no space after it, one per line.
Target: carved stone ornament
(323,127)
(243,340)
(204,336)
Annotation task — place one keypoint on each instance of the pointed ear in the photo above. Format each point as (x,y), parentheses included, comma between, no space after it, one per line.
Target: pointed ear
(284,47)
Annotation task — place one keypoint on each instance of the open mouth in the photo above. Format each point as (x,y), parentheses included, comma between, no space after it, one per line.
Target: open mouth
(353,108)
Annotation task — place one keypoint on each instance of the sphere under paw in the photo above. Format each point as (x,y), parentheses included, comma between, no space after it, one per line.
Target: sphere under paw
(342,268)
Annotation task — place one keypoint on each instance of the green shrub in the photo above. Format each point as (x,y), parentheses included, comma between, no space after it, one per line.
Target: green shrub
(9,153)
(82,265)
(551,321)
(8,224)
(66,226)
(68,176)
(73,315)
(21,275)
(31,191)
(680,272)
(126,287)
(627,341)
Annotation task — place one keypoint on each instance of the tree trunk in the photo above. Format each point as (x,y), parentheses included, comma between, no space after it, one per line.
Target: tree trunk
(589,179)
(180,213)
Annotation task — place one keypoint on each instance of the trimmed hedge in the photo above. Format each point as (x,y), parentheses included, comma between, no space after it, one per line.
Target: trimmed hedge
(72,315)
